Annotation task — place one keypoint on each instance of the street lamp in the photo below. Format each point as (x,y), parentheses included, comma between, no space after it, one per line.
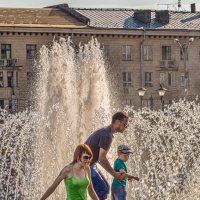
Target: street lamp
(141,93)
(161,92)
(184,49)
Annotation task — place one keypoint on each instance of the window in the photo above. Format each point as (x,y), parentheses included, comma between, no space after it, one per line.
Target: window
(105,49)
(10,79)
(199,52)
(166,52)
(127,79)
(126,52)
(184,52)
(162,78)
(1,103)
(16,79)
(148,53)
(10,104)
(148,79)
(29,78)
(170,79)
(14,103)
(30,51)
(166,78)
(1,79)
(183,80)
(5,51)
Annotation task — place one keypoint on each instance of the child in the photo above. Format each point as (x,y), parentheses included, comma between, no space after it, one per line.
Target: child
(119,187)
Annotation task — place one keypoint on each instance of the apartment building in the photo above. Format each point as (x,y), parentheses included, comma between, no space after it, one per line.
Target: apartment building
(145,49)
(149,49)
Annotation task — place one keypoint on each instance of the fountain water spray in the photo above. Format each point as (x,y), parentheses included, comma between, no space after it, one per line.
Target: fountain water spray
(72,100)
(71,91)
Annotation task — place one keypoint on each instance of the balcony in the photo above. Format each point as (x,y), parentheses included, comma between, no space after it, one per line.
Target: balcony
(9,64)
(168,65)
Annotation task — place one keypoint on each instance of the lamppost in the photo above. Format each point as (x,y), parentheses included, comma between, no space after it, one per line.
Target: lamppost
(161,92)
(184,49)
(141,93)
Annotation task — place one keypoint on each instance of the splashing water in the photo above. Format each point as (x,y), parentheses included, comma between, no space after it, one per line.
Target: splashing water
(72,100)
(71,91)
(166,152)
(76,83)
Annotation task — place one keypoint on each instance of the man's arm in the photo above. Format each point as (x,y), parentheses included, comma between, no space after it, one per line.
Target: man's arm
(106,165)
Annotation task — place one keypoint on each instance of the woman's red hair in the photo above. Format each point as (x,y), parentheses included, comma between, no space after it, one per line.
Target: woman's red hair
(80,149)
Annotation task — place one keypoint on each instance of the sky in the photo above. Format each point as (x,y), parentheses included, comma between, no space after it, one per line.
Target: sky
(135,4)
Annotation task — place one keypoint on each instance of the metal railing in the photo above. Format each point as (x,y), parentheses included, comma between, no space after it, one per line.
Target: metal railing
(8,62)
(167,64)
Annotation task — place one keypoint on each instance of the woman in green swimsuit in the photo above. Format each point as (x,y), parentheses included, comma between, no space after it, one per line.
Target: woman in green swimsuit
(76,176)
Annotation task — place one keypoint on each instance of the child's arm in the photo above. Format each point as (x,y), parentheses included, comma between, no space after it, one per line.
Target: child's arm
(130,177)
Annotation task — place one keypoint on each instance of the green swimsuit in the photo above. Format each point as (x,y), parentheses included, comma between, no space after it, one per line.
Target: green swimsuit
(77,188)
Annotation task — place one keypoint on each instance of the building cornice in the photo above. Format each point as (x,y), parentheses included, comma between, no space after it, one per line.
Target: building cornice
(85,32)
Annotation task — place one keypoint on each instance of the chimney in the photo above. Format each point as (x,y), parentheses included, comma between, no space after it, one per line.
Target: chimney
(143,15)
(193,8)
(162,16)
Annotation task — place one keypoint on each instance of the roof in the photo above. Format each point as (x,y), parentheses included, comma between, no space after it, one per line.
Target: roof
(124,19)
(38,17)
(62,16)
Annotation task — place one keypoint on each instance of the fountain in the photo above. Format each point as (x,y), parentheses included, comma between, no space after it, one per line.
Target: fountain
(166,151)
(72,100)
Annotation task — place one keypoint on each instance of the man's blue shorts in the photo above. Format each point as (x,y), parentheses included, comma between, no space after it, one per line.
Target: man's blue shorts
(100,184)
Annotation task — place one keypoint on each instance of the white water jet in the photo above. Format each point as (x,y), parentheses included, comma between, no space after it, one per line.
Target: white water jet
(76,83)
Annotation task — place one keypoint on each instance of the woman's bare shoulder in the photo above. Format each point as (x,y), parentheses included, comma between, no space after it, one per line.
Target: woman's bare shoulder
(66,171)
(68,167)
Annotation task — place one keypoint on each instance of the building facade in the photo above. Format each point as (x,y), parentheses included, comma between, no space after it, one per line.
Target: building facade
(145,48)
